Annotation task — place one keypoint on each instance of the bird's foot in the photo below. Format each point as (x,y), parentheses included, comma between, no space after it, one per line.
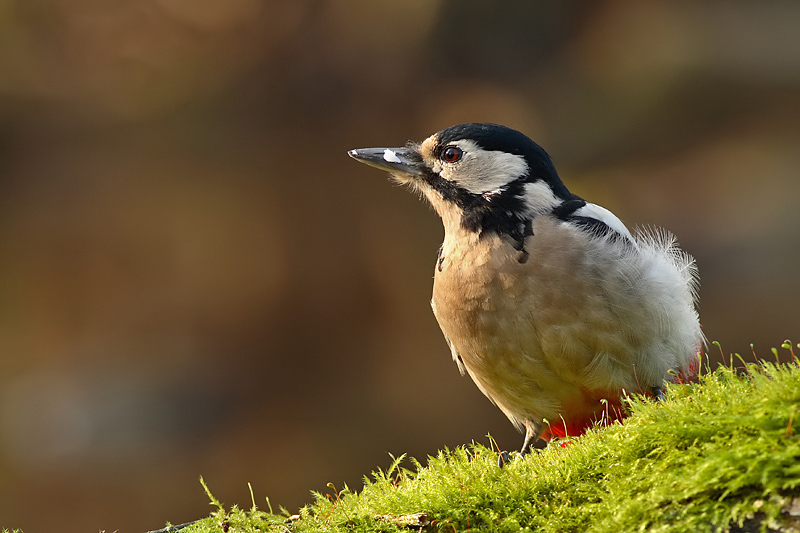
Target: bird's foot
(537,445)
(658,394)
(506,457)
(503,459)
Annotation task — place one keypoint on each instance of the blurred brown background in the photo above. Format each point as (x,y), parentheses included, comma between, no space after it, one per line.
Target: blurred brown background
(196,280)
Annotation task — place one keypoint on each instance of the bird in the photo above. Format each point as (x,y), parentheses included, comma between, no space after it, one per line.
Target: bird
(551,305)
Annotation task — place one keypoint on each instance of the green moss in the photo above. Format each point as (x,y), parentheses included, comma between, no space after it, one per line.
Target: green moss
(718,453)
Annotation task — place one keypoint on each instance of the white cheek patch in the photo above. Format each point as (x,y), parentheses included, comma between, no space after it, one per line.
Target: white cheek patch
(482,171)
(390,156)
(539,197)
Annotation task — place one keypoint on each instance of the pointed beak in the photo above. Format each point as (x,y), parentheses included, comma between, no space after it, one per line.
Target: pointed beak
(394,160)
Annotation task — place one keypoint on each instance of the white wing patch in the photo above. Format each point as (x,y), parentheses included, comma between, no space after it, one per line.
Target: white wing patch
(606,217)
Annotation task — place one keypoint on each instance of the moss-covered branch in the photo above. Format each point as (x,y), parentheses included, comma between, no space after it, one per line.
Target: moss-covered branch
(721,454)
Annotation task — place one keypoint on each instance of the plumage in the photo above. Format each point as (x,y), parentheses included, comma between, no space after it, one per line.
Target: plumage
(548,302)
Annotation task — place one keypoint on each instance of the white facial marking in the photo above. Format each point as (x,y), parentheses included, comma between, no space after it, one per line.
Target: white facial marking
(390,156)
(539,197)
(482,171)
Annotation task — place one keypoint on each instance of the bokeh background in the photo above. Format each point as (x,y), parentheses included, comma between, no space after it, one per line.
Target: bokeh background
(196,280)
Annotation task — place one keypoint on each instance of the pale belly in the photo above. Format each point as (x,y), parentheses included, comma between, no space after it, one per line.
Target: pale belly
(548,337)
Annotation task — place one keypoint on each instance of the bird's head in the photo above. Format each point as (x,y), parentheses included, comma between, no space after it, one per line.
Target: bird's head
(480,177)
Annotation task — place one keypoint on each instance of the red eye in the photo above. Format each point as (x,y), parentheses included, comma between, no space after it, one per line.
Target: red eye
(452,154)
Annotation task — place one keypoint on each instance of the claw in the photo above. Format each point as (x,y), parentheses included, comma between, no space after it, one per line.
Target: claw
(503,459)
(658,394)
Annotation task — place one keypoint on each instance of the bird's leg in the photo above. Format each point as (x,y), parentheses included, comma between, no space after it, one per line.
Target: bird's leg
(533,430)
